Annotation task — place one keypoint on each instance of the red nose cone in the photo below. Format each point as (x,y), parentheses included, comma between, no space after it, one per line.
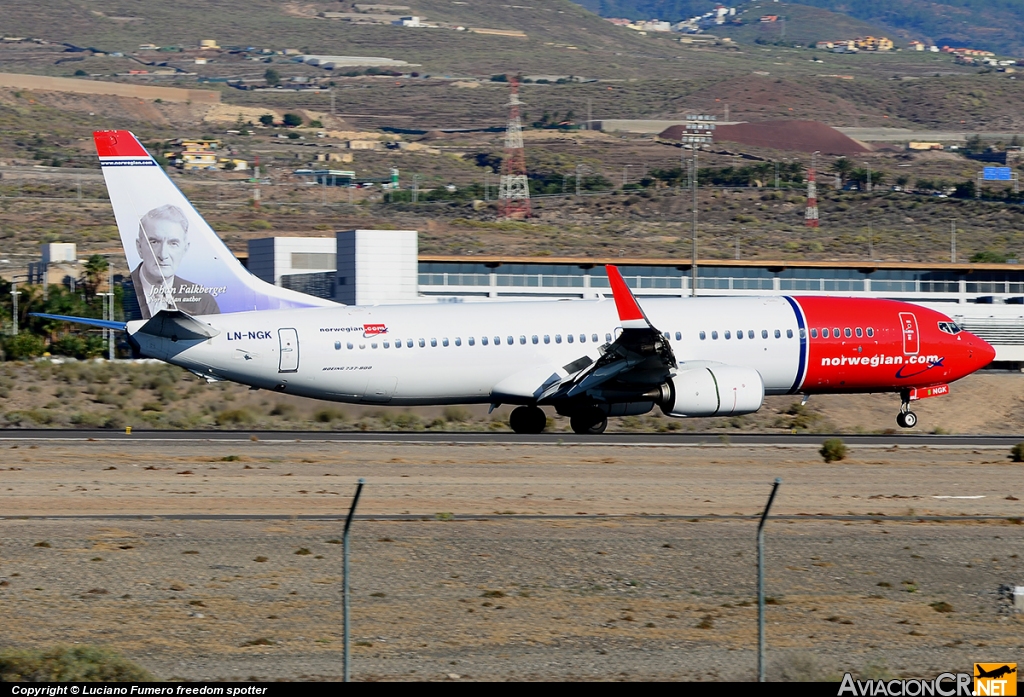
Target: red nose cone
(982,350)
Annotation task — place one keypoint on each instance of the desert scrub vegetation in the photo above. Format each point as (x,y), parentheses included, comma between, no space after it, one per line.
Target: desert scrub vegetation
(69,664)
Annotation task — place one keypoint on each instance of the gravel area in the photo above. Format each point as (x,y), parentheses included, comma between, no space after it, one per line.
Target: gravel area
(626,597)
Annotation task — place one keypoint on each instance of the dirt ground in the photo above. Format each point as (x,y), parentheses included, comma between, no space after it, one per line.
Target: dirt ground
(597,584)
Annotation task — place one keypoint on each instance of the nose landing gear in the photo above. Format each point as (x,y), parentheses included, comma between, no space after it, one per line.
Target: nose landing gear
(906,418)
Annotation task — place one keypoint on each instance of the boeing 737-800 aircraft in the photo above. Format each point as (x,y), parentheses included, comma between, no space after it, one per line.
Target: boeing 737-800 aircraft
(586,359)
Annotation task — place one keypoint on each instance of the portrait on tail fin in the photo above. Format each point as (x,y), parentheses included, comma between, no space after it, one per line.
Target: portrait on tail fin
(162,244)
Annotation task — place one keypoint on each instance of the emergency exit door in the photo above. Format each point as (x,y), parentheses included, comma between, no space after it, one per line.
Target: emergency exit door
(289,350)
(911,338)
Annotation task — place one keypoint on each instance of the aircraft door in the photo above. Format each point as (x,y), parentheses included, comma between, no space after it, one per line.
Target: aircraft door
(911,337)
(289,350)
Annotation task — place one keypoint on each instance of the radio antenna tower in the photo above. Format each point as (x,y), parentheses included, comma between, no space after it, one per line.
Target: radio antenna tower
(513,187)
(811,214)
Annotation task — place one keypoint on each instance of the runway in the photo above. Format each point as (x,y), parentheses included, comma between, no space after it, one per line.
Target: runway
(806,440)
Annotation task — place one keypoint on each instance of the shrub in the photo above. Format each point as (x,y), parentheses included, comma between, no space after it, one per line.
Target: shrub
(1017,452)
(833,450)
(69,664)
(328,415)
(456,414)
(292,120)
(941,606)
(230,417)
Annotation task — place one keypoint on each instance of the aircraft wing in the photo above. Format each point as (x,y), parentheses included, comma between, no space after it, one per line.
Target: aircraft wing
(105,323)
(639,359)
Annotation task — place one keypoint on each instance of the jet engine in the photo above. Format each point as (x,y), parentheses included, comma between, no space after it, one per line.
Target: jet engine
(717,390)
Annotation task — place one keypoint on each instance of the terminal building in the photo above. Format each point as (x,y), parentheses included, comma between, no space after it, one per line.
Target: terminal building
(383,266)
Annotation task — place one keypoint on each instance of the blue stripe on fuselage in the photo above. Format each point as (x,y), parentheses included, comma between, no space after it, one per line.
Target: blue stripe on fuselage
(801,368)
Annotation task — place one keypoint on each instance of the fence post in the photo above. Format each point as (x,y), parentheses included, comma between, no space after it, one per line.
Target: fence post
(344,584)
(760,583)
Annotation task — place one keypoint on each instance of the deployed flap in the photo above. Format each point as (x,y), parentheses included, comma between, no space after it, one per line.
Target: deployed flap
(640,357)
(526,384)
(176,325)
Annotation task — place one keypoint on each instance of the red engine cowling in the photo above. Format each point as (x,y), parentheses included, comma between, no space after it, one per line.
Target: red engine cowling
(718,390)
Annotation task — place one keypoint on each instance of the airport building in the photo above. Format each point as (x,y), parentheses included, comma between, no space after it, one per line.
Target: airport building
(382,266)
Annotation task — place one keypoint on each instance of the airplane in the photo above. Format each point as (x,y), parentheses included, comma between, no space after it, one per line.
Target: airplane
(994,673)
(586,359)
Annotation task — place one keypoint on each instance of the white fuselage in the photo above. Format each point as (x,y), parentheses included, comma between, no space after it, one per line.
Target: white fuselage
(457,353)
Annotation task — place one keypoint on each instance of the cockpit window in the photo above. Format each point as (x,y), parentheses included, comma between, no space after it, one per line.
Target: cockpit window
(949,327)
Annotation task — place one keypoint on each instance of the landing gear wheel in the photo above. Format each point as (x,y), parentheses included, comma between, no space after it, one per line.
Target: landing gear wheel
(909,420)
(527,420)
(900,421)
(590,421)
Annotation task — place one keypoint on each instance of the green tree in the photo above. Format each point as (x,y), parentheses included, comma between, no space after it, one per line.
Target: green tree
(843,167)
(95,268)
(292,120)
(272,77)
(267,119)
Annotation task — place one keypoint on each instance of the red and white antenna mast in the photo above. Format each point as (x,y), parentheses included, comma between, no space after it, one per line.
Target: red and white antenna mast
(513,187)
(811,214)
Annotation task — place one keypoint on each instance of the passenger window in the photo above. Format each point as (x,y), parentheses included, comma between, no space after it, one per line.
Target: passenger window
(739,334)
(444,341)
(803,333)
(583,338)
(814,333)
(679,336)
(558,338)
(728,334)
(362,346)
(668,335)
(593,337)
(387,344)
(860,332)
(522,339)
(497,341)
(764,333)
(714,336)
(472,340)
(778,334)
(824,333)
(337,345)
(847,333)
(871,332)
(408,343)
(608,338)
(433,342)
(349,345)
(483,340)
(398,344)
(568,337)
(534,338)
(508,340)
(703,336)
(373,346)
(458,341)
(835,332)
(547,338)
(789,333)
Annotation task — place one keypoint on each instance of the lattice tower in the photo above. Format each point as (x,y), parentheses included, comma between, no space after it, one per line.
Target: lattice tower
(513,187)
(811,214)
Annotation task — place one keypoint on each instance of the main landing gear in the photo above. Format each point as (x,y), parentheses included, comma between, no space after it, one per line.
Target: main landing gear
(527,420)
(591,421)
(906,418)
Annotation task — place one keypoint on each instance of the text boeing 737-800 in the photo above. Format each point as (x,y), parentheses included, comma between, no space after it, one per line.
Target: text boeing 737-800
(587,359)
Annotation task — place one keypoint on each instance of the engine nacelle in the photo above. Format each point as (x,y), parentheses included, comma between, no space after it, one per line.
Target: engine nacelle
(717,390)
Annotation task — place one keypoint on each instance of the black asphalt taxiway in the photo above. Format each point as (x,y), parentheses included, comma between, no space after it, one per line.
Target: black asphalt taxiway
(885,440)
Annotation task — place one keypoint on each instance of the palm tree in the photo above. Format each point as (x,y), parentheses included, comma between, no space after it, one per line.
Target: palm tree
(843,167)
(95,267)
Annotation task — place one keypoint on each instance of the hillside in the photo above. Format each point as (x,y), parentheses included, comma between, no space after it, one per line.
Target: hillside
(994,25)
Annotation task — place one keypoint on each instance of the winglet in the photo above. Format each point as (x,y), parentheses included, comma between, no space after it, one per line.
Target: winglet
(630,314)
(118,144)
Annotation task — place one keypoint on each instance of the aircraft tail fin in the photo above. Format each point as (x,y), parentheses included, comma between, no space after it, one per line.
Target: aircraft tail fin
(177,261)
